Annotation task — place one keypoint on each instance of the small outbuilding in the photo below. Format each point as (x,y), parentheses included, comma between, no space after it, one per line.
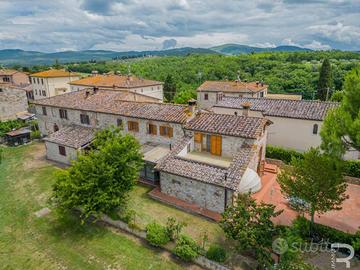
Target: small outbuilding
(18,137)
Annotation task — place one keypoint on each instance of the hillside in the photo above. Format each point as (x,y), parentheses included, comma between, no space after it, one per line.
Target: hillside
(233,49)
(28,58)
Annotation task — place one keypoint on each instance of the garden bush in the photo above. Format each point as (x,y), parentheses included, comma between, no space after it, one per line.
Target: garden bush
(156,234)
(351,167)
(173,228)
(216,253)
(6,126)
(186,248)
(35,134)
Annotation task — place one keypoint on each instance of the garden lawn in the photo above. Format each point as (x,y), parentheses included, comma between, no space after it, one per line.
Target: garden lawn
(28,242)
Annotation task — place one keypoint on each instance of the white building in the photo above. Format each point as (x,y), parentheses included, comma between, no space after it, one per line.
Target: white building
(51,83)
(121,82)
(210,92)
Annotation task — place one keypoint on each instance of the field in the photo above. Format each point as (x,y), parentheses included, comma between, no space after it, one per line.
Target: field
(29,242)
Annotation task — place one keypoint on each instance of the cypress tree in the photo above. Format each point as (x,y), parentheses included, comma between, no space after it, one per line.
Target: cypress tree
(325,80)
(169,88)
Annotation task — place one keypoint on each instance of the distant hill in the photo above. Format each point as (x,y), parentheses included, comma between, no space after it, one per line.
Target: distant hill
(233,49)
(27,58)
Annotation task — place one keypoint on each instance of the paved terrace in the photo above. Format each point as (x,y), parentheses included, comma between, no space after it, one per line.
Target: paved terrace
(209,159)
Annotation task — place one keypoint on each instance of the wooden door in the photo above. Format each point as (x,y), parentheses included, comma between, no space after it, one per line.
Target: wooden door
(215,145)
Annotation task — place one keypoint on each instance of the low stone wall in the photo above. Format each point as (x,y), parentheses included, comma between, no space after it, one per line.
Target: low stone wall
(201,260)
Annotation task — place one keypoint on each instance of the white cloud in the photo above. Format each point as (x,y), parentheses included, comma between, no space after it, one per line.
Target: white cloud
(338,32)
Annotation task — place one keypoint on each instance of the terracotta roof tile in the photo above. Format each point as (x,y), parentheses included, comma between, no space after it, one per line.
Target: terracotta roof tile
(231,125)
(115,102)
(7,72)
(72,136)
(54,73)
(300,109)
(231,86)
(115,81)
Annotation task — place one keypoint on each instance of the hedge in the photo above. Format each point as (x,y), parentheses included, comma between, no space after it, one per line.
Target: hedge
(351,167)
(156,234)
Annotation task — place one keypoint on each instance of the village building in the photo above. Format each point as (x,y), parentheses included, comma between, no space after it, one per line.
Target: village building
(51,83)
(13,100)
(213,156)
(296,123)
(120,82)
(210,92)
(14,77)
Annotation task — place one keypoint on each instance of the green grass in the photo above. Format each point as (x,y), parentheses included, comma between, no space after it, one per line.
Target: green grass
(28,242)
(149,210)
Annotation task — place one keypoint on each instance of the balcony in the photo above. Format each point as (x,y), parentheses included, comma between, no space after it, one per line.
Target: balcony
(207,158)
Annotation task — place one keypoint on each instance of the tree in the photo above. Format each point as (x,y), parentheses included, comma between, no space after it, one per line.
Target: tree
(169,88)
(184,96)
(341,128)
(99,181)
(250,225)
(337,96)
(317,179)
(325,80)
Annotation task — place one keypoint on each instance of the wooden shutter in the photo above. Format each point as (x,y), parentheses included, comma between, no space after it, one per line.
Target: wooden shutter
(162,130)
(170,132)
(197,137)
(215,145)
(136,126)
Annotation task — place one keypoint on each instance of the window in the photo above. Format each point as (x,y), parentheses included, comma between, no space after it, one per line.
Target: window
(6,79)
(261,94)
(315,129)
(35,91)
(63,114)
(38,81)
(62,150)
(235,113)
(42,81)
(166,131)
(219,97)
(197,137)
(152,129)
(34,80)
(84,119)
(206,96)
(44,111)
(56,128)
(1,90)
(119,122)
(133,126)
(44,93)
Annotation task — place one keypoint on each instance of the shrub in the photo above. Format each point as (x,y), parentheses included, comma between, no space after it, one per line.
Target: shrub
(351,167)
(186,248)
(6,126)
(216,253)
(173,228)
(35,134)
(156,234)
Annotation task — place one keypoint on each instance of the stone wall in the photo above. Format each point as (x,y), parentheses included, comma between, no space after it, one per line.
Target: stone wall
(12,101)
(52,153)
(206,195)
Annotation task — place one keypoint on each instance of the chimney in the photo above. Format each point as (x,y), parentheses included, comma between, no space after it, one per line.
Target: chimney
(246,108)
(257,83)
(94,73)
(87,93)
(192,106)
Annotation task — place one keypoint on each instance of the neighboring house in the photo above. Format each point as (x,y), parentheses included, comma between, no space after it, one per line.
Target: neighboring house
(18,137)
(51,83)
(13,100)
(210,92)
(220,156)
(296,123)
(14,77)
(121,82)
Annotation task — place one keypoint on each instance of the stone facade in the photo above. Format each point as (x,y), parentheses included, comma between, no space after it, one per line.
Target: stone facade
(12,101)
(53,153)
(209,196)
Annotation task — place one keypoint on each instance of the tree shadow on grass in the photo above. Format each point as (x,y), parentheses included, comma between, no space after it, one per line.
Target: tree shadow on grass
(68,226)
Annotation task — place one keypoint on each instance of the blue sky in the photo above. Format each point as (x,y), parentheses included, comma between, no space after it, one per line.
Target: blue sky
(58,25)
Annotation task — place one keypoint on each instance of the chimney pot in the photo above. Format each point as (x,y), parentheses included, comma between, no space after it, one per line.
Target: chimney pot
(192,106)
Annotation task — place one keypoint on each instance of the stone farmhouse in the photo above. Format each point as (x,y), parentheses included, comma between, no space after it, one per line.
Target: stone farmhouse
(210,92)
(14,77)
(198,157)
(120,82)
(13,100)
(51,83)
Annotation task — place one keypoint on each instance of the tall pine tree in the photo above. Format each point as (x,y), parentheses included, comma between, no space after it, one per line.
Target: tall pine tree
(325,81)
(169,88)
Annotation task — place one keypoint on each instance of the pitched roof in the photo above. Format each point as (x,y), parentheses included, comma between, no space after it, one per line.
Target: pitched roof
(20,131)
(72,136)
(7,72)
(284,96)
(231,125)
(115,102)
(115,81)
(54,73)
(229,178)
(300,109)
(231,86)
